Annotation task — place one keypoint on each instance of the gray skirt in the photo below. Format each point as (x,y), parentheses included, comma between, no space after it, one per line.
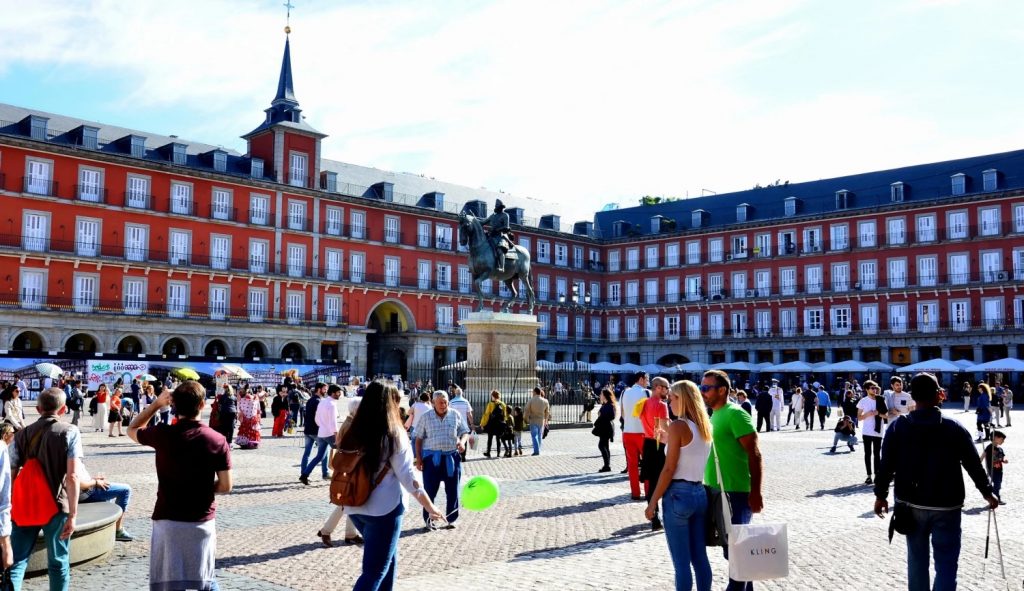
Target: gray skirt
(182,555)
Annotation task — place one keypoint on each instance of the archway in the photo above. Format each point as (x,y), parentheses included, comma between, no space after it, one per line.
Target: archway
(673,359)
(254,350)
(28,341)
(293,351)
(216,348)
(387,348)
(174,346)
(80,343)
(130,345)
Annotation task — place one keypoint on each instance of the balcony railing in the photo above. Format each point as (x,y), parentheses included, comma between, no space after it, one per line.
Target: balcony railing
(223,212)
(39,186)
(90,193)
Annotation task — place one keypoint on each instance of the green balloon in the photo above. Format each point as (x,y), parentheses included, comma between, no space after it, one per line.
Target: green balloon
(479,493)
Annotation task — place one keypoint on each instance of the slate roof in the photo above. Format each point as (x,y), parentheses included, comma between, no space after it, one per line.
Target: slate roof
(870,189)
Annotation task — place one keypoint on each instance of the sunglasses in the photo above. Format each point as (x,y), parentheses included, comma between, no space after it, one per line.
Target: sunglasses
(706,388)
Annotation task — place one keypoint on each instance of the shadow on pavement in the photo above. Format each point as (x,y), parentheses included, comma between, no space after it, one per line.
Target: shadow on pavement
(260,488)
(250,559)
(842,491)
(580,508)
(622,536)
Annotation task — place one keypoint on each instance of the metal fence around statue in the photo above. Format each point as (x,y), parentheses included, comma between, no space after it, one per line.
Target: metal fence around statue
(566,389)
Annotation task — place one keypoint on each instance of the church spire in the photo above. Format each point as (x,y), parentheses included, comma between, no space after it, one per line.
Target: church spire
(285,88)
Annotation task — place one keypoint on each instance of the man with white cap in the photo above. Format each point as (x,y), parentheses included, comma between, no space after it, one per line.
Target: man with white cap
(777,399)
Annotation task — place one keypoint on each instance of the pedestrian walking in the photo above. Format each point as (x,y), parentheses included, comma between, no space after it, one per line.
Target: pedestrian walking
(654,418)
(114,414)
(923,452)
(459,404)
(193,464)
(249,414)
(763,406)
(377,431)
(326,419)
(279,409)
(228,406)
(604,427)
(824,406)
(518,426)
(680,488)
(984,411)
(57,446)
(810,405)
(994,458)
(735,446)
(1007,402)
(633,429)
(310,430)
(440,437)
(966,392)
(777,396)
(537,414)
(418,410)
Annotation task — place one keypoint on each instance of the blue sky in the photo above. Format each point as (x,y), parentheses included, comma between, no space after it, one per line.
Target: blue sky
(576,103)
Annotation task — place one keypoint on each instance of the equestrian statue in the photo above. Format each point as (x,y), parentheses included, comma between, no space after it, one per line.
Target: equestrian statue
(494,255)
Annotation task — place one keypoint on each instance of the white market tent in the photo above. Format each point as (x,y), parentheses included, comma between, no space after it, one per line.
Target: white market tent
(690,367)
(735,366)
(1006,365)
(605,367)
(791,367)
(849,366)
(879,366)
(965,364)
(932,366)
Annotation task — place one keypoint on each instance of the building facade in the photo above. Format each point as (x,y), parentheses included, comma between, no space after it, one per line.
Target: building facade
(125,243)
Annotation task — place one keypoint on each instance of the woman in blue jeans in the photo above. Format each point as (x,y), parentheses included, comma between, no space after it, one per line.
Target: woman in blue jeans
(680,486)
(377,430)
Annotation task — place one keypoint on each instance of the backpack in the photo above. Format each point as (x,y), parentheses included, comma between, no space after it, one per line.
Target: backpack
(497,414)
(32,501)
(351,483)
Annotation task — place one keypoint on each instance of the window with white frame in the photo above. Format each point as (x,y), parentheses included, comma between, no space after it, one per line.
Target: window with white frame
(840,277)
(1018,264)
(956,225)
(958,183)
(356,267)
(614,331)
(464,312)
(898,318)
(392,233)
(134,298)
(672,327)
(595,327)
(959,269)
(87,237)
(867,234)
(444,318)
(789,207)
(693,252)
(33,288)
(296,260)
(716,286)
(543,287)
(614,294)
(632,328)
(295,305)
(787,281)
(651,327)
(787,322)
(543,251)
(813,322)
(181,198)
(693,326)
(651,256)
(357,221)
(632,259)
(595,293)
(896,231)
(220,204)
(577,257)
(989,221)
(90,184)
(762,283)
(672,290)
(763,245)
(561,288)
(960,315)
(38,176)
(926,229)
(136,242)
(424,273)
(1018,218)
(763,323)
(739,247)
(332,310)
(1018,312)
(259,210)
(927,271)
(333,263)
(178,247)
(896,192)
(444,276)
(651,291)
(672,253)
(220,251)
(897,273)
(632,293)
(716,325)
(137,193)
(561,326)
(812,240)
(177,299)
(36,231)
(787,242)
(867,275)
(840,317)
(296,214)
(812,279)
(218,302)
(443,237)
(992,313)
(990,179)
(693,293)
(424,231)
(613,261)
(927,316)
(992,266)
(561,255)
(839,237)
(544,319)
(297,171)
(333,223)
(392,266)
(257,304)
(739,285)
(869,319)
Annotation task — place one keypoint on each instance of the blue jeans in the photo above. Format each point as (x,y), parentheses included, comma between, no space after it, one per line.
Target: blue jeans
(433,476)
(310,441)
(322,445)
(684,509)
(121,494)
(58,558)
(380,549)
(739,505)
(537,435)
(943,528)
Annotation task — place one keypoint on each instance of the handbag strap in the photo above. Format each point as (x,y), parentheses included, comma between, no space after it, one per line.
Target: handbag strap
(726,511)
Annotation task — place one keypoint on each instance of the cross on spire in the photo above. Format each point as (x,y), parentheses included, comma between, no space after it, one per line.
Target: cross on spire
(288,16)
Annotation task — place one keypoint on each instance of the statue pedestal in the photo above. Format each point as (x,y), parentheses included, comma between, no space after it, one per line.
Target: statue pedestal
(501,354)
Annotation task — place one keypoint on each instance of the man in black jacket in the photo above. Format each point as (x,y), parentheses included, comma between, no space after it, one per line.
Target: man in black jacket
(763,406)
(923,452)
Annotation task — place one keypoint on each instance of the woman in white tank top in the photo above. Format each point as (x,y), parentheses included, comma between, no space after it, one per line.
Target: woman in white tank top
(680,486)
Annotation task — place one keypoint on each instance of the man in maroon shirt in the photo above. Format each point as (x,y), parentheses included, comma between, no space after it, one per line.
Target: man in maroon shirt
(193,463)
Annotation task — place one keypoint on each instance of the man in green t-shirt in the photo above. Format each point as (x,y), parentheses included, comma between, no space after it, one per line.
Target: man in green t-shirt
(735,444)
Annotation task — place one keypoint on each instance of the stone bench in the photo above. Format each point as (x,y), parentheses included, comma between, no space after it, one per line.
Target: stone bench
(92,541)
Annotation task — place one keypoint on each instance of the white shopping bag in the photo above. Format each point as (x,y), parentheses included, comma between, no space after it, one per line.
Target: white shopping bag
(758,552)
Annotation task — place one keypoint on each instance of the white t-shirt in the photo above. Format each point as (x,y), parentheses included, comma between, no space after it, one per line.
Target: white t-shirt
(902,403)
(419,410)
(630,398)
(871,426)
(776,393)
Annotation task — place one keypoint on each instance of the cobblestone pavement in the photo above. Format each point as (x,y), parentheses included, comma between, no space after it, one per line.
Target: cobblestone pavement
(558,524)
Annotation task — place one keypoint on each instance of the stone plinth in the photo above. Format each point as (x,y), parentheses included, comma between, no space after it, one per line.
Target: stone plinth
(501,353)
(92,541)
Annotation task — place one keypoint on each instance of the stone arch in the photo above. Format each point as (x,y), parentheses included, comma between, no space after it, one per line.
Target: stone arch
(254,348)
(82,342)
(673,359)
(174,346)
(216,347)
(28,340)
(131,345)
(380,316)
(293,350)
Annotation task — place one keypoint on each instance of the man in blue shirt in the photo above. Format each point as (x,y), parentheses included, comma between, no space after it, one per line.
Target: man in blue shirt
(824,406)
(440,439)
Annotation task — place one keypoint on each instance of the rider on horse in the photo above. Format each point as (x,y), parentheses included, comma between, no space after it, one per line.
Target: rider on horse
(499,233)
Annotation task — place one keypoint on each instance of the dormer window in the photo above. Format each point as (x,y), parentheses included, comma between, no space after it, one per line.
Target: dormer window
(178,154)
(37,127)
(843,199)
(137,146)
(741,212)
(656,224)
(959,183)
(790,208)
(990,179)
(896,192)
(619,229)
(90,137)
(697,218)
(256,168)
(220,161)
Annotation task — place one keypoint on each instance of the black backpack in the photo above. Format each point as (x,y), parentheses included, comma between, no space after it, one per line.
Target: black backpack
(496,422)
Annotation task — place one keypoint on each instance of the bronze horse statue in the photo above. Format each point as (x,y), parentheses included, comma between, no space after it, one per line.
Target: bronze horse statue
(482,263)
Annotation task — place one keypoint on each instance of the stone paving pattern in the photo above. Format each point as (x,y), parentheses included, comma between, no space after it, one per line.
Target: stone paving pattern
(559,524)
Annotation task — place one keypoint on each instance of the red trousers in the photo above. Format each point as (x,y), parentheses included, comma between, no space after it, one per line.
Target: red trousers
(634,445)
(279,421)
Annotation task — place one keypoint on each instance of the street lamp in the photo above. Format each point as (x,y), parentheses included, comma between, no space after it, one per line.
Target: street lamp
(578,304)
